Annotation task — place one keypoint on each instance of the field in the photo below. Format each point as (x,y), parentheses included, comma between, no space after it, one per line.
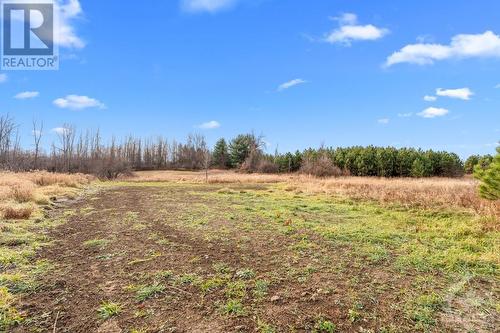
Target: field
(168,252)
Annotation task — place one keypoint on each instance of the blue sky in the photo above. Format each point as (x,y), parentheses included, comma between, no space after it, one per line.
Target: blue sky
(302,73)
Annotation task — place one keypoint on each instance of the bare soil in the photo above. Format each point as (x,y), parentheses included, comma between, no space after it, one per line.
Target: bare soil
(153,229)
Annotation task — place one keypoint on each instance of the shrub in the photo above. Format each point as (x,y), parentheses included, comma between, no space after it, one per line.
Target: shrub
(251,162)
(266,166)
(320,167)
(23,192)
(17,212)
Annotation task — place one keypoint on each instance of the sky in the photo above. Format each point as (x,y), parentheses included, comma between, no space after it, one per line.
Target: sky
(302,73)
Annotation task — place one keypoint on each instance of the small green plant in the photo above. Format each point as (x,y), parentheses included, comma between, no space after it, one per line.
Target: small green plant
(221,268)
(234,307)
(131,216)
(236,289)
(324,326)
(138,330)
(424,309)
(353,313)
(245,274)
(95,243)
(108,310)
(211,284)
(145,292)
(165,275)
(9,316)
(188,279)
(264,327)
(260,289)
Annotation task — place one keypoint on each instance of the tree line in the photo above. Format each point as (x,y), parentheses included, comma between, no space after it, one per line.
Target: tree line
(87,152)
(355,161)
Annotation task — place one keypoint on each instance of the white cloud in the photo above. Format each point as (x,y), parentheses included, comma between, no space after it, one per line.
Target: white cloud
(290,84)
(497,86)
(433,112)
(64,31)
(383,121)
(347,19)
(75,102)
(461,93)
(3,78)
(61,130)
(210,6)
(210,125)
(428,98)
(492,144)
(482,45)
(405,115)
(27,95)
(350,31)
(65,34)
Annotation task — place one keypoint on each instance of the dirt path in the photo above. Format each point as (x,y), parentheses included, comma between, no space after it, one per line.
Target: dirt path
(175,260)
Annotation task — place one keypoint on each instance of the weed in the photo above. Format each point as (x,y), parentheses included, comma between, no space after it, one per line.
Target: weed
(261,288)
(245,274)
(8,314)
(211,284)
(188,279)
(233,307)
(145,292)
(165,274)
(424,308)
(108,310)
(131,216)
(235,289)
(96,243)
(221,268)
(164,242)
(264,327)
(324,326)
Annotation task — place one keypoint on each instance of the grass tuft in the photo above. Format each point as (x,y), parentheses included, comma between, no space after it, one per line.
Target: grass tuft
(146,292)
(108,310)
(17,211)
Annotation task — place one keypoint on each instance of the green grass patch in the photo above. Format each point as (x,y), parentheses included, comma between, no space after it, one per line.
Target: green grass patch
(143,293)
(233,307)
(96,243)
(108,310)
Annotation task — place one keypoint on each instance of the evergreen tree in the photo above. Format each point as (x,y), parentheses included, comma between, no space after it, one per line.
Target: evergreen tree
(242,146)
(220,155)
(471,163)
(490,178)
(418,168)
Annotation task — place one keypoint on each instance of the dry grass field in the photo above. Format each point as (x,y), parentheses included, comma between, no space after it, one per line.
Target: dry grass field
(168,252)
(421,192)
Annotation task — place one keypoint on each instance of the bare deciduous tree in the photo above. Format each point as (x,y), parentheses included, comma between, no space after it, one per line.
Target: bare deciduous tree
(37,136)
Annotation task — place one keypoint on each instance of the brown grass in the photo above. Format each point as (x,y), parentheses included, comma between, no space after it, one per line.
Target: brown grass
(460,193)
(17,211)
(19,192)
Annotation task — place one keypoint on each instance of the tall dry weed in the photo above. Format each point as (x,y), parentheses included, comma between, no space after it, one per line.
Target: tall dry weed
(19,192)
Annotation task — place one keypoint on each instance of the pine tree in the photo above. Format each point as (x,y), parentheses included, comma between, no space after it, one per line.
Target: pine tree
(490,178)
(220,155)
